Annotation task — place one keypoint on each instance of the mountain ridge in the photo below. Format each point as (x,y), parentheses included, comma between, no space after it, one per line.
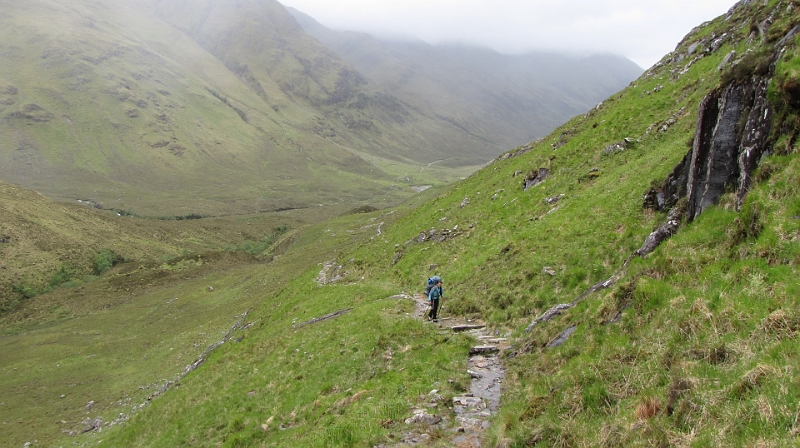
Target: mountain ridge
(536,90)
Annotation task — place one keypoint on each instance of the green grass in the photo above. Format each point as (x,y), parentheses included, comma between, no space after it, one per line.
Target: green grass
(327,384)
(115,359)
(694,345)
(169,313)
(49,243)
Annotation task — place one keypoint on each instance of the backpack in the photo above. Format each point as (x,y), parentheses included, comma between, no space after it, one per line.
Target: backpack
(431,283)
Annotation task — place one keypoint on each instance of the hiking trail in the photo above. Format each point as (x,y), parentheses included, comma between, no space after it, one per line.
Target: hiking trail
(472,410)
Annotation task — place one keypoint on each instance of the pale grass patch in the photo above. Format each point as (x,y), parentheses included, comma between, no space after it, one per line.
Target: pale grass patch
(779,324)
(743,350)
(757,286)
(504,443)
(347,401)
(700,308)
(783,235)
(682,440)
(779,291)
(677,302)
(573,401)
(724,320)
(728,202)
(753,379)
(761,372)
(611,434)
(694,324)
(765,409)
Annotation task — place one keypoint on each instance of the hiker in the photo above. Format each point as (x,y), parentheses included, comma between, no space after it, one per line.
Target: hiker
(432,281)
(435,295)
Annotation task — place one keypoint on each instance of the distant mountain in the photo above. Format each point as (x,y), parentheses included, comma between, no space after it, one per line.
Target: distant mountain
(172,107)
(507,100)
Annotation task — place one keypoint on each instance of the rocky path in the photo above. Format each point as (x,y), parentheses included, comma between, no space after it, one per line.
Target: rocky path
(474,409)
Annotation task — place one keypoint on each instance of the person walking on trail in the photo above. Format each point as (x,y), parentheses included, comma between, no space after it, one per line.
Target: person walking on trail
(435,296)
(431,283)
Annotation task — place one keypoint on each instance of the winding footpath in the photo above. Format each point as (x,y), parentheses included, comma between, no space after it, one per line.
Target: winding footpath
(472,410)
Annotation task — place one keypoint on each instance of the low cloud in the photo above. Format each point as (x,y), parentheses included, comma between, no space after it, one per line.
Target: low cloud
(643,31)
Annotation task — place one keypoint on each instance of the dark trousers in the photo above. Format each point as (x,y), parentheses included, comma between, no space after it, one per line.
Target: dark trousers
(434,312)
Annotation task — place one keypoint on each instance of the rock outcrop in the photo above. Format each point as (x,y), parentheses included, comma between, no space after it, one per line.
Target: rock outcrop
(733,127)
(731,137)
(724,152)
(535,178)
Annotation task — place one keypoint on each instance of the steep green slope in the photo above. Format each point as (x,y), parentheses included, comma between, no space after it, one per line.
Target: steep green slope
(694,344)
(91,352)
(507,100)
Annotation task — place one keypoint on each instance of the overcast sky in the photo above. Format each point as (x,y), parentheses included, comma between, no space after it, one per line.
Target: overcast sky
(642,30)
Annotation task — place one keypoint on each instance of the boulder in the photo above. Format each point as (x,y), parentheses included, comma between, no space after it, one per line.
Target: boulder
(535,178)
(421,416)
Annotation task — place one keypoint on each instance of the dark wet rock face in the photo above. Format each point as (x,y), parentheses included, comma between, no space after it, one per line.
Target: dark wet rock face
(720,143)
(732,129)
(754,140)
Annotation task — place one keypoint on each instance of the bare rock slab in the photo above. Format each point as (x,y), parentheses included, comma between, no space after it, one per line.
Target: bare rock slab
(484,349)
(462,328)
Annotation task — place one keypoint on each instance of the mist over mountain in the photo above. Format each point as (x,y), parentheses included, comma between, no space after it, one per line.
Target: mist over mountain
(178,106)
(510,100)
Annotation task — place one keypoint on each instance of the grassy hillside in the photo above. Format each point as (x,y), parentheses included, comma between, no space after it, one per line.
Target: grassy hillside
(47,243)
(113,103)
(302,80)
(103,345)
(694,344)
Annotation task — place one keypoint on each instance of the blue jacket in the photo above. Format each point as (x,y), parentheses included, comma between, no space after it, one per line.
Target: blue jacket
(437,292)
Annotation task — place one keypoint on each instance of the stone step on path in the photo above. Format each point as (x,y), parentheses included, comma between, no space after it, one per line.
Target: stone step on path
(461,328)
(492,339)
(484,350)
